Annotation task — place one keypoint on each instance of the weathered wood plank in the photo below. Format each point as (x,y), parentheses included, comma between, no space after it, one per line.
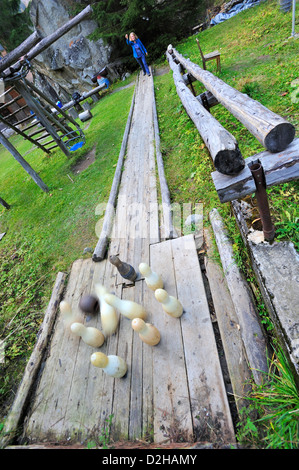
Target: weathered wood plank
(222,146)
(270,129)
(279,168)
(210,408)
(172,411)
(253,336)
(33,365)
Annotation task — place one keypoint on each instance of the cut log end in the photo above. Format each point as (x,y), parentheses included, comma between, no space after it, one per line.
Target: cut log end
(229,162)
(279,137)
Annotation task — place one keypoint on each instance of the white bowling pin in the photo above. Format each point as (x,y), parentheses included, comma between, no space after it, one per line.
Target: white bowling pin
(114,366)
(109,316)
(128,308)
(152,279)
(67,314)
(90,335)
(170,304)
(147,332)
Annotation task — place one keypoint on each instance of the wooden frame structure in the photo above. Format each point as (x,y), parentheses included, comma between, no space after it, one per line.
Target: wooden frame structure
(43,127)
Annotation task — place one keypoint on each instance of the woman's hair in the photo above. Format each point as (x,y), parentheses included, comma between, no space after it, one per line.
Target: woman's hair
(131,35)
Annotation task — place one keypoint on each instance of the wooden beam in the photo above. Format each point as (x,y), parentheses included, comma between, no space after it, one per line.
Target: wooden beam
(270,129)
(222,146)
(47,41)
(102,244)
(20,50)
(278,168)
(36,178)
(169,229)
(41,115)
(253,337)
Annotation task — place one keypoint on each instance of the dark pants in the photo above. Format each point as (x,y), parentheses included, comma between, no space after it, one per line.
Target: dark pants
(142,62)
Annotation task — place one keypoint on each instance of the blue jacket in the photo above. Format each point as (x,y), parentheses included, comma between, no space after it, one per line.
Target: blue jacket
(142,48)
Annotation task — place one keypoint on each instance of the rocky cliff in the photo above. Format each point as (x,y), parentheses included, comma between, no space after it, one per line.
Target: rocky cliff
(70,62)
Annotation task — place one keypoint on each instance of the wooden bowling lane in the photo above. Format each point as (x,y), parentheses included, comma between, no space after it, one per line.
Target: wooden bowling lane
(172,391)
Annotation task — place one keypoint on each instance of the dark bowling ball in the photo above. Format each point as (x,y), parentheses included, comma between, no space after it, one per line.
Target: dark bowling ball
(89,304)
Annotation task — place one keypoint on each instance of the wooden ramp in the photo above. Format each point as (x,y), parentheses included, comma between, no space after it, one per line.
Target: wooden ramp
(173,391)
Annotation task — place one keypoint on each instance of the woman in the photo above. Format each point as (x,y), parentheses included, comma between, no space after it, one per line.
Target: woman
(139,52)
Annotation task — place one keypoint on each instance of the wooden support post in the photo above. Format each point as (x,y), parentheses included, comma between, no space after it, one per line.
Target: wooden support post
(271,130)
(36,178)
(39,112)
(253,337)
(4,203)
(222,146)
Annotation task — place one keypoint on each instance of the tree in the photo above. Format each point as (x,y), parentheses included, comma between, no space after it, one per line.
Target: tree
(15,26)
(157,22)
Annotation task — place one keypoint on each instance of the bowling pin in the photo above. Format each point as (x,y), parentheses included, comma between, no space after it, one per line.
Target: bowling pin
(91,336)
(170,304)
(147,332)
(128,308)
(125,270)
(152,279)
(67,314)
(109,316)
(114,366)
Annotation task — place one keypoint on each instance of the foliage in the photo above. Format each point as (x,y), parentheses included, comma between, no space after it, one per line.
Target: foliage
(18,24)
(102,440)
(277,404)
(156,23)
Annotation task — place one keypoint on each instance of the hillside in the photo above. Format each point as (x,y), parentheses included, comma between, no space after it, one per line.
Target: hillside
(45,233)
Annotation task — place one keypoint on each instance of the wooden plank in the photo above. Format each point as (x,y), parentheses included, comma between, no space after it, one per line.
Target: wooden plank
(33,365)
(210,408)
(101,247)
(253,336)
(279,168)
(172,413)
(56,372)
(270,129)
(229,327)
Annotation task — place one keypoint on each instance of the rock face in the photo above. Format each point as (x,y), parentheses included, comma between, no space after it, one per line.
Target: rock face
(70,62)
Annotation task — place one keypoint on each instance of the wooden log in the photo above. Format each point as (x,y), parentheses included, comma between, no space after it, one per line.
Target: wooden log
(278,168)
(252,334)
(270,129)
(36,178)
(222,146)
(13,420)
(102,244)
(47,41)
(169,230)
(20,50)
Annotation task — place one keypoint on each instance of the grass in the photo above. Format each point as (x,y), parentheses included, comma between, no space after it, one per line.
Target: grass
(46,232)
